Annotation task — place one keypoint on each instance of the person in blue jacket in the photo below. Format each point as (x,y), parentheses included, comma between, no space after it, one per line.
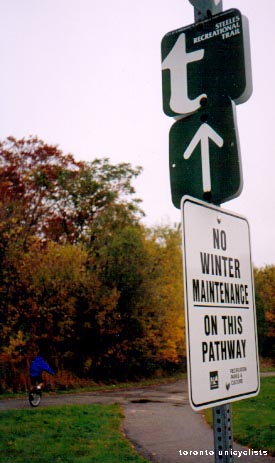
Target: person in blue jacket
(38,365)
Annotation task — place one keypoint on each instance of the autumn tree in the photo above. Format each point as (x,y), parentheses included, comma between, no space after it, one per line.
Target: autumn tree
(145,330)
(42,303)
(47,197)
(50,195)
(124,265)
(32,179)
(79,270)
(163,313)
(265,304)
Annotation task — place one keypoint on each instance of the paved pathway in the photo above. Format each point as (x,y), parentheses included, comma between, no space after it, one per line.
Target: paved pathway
(158,421)
(172,432)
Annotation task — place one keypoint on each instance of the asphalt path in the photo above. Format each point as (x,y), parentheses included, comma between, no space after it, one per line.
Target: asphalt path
(159,422)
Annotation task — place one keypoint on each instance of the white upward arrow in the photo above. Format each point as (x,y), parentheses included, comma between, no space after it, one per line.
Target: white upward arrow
(204,133)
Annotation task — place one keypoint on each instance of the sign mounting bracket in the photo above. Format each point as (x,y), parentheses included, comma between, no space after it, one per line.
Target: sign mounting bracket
(204,9)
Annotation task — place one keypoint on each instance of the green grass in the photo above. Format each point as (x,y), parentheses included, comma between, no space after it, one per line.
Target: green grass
(101,387)
(254,419)
(68,434)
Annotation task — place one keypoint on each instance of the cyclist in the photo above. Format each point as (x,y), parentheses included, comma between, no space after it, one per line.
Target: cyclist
(38,365)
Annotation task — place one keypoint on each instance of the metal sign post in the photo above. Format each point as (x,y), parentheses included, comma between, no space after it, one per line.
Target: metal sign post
(223,434)
(205,171)
(206,8)
(222,415)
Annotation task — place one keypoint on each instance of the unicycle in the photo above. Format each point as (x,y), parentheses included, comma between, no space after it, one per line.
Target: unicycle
(35,396)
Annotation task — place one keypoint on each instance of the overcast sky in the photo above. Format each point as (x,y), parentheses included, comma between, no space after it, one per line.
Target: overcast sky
(86,75)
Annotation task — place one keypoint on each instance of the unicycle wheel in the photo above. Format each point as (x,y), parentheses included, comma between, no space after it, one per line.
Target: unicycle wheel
(35,398)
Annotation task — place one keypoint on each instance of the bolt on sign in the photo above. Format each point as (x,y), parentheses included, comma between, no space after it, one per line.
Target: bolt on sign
(219,305)
(205,72)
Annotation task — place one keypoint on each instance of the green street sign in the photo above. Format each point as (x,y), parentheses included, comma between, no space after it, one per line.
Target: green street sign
(204,155)
(204,60)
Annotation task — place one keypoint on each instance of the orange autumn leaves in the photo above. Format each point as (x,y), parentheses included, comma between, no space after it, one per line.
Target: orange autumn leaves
(80,271)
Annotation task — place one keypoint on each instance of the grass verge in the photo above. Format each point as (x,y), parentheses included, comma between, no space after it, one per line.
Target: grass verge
(101,387)
(254,419)
(68,434)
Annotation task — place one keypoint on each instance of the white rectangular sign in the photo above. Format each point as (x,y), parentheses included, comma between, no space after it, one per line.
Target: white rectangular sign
(219,305)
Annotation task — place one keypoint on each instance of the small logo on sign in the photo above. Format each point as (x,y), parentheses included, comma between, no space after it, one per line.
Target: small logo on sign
(227,385)
(214,379)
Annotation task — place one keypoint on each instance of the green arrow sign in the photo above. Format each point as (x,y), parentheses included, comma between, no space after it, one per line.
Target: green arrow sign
(204,134)
(204,156)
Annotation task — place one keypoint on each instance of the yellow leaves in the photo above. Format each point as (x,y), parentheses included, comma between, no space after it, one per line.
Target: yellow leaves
(265,304)
(13,351)
(57,265)
(270,318)
(108,316)
(78,268)
(114,307)
(163,316)
(87,365)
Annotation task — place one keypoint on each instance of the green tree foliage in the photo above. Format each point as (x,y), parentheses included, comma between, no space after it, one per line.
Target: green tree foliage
(80,272)
(265,303)
(50,195)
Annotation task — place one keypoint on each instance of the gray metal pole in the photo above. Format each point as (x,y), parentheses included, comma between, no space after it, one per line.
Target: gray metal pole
(206,8)
(223,434)
(222,415)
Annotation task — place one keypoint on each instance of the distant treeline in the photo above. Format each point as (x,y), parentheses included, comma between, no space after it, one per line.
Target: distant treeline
(79,272)
(81,276)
